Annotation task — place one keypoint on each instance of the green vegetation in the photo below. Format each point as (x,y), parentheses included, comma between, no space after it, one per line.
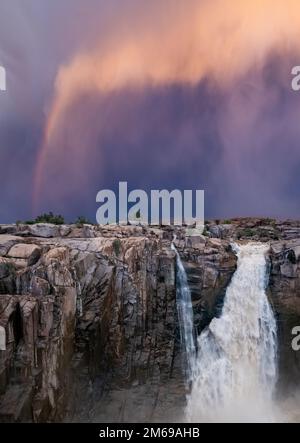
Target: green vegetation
(259,233)
(81,220)
(117,246)
(205,231)
(55,220)
(50,218)
(46,218)
(246,232)
(269,221)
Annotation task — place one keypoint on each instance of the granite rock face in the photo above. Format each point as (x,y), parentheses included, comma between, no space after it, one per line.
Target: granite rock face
(79,304)
(254,229)
(88,313)
(209,264)
(107,303)
(284,290)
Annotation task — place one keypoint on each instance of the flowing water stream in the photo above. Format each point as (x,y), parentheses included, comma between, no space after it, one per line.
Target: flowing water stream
(185,317)
(233,373)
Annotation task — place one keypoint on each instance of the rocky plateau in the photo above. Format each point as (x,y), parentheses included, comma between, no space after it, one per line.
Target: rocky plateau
(88,319)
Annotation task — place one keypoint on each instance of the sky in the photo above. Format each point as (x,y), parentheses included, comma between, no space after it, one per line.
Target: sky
(167,94)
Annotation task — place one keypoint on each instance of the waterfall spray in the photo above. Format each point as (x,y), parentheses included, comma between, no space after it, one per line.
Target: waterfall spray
(235,370)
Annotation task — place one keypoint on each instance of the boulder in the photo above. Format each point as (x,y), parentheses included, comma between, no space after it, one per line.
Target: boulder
(27,252)
(44,230)
(6,242)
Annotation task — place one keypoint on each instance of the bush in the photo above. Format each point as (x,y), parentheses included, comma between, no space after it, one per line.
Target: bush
(269,221)
(47,218)
(81,220)
(246,232)
(205,232)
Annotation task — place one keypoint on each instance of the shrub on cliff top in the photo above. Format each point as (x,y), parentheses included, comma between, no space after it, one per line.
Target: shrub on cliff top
(81,220)
(47,218)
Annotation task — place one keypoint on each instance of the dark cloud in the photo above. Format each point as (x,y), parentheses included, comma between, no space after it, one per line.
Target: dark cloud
(241,143)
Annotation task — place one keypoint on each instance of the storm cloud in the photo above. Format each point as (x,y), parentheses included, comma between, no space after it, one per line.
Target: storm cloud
(163,94)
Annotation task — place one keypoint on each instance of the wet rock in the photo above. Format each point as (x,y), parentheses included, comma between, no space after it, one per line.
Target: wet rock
(284,292)
(2,339)
(86,306)
(5,267)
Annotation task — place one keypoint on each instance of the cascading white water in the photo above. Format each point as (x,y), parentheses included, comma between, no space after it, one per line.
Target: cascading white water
(234,374)
(185,315)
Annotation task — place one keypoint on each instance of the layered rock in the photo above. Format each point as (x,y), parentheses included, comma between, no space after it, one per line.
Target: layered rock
(101,305)
(88,314)
(209,264)
(284,290)
(101,301)
(254,229)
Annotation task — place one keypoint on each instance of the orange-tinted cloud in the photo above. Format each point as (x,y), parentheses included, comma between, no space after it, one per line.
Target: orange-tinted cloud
(219,39)
(174,42)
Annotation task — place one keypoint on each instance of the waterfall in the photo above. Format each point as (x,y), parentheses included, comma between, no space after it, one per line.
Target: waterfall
(185,315)
(234,373)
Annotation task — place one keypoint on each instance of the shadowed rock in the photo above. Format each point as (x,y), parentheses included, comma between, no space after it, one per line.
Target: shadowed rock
(88,312)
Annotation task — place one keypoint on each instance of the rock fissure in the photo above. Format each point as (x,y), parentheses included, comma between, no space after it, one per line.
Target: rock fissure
(88,317)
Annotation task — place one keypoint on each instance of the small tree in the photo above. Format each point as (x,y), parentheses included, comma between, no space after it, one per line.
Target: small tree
(47,218)
(81,220)
(50,218)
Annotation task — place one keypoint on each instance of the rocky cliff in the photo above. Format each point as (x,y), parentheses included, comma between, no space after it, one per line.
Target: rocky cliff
(284,290)
(88,314)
